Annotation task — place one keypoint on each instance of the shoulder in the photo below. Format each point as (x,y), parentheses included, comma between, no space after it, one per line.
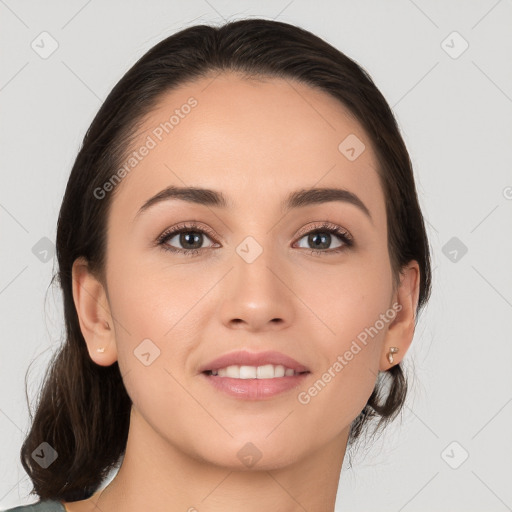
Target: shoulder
(41,506)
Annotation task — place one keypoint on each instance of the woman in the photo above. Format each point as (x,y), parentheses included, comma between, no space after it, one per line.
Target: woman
(242,258)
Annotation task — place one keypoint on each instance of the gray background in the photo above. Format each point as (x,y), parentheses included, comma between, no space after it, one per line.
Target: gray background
(455,115)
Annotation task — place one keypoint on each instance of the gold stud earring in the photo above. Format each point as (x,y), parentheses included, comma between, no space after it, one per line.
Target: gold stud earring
(101,349)
(392,350)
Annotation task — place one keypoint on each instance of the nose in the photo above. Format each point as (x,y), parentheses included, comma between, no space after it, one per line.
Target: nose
(258,296)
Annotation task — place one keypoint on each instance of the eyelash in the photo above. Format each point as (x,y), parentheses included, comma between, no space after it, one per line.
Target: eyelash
(325,227)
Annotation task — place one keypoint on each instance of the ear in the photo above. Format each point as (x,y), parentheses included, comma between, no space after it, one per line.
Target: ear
(401,330)
(96,324)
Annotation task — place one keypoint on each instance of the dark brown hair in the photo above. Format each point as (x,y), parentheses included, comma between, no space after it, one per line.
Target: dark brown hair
(83,409)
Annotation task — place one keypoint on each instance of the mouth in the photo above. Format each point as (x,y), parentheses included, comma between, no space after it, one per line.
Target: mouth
(254,376)
(267,371)
(246,387)
(243,364)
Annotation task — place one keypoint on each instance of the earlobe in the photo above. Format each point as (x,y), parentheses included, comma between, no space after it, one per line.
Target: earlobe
(401,330)
(93,312)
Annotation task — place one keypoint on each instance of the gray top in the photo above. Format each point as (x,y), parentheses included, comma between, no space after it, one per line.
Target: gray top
(41,506)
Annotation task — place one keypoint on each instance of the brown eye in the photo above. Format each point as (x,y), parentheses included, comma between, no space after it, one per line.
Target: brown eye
(188,237)
(321,239)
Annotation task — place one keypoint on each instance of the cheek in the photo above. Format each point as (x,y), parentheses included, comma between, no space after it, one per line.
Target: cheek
(343,385)
(160,314)
(358,314)
(348,299)
(149,300)
(153,309)
(158,395)
(337,396)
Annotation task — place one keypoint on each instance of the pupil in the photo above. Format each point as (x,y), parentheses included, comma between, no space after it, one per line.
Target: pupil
(185,238)
(325,243)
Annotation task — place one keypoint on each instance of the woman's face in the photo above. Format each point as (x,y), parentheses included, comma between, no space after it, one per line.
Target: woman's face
(254,278)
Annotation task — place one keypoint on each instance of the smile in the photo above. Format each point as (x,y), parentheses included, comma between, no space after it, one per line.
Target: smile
(268,371)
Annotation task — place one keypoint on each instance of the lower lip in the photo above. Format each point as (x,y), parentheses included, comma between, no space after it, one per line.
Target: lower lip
(255,389)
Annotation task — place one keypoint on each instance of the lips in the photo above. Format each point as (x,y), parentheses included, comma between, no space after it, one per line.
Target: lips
(245,358)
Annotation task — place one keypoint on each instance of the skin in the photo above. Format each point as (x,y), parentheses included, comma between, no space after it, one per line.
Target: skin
(256,141)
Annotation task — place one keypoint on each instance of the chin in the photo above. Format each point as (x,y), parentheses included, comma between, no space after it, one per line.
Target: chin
(252,453)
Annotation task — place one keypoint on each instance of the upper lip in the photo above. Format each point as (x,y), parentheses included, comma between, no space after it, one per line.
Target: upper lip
(245,358)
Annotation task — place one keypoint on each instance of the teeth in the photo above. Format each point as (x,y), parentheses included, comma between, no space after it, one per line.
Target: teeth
(279,371)
(267,371)
(233,372)
(245,372)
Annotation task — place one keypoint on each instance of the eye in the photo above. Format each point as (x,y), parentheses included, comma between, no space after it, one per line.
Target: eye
(191,238)
(320,238)
(189,235)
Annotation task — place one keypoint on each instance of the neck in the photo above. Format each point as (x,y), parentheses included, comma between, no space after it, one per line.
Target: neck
(158,476)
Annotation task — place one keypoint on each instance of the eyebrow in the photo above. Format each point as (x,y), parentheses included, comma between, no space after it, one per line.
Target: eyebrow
(297,199)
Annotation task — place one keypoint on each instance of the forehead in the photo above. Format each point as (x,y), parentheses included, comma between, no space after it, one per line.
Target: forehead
(252,138)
